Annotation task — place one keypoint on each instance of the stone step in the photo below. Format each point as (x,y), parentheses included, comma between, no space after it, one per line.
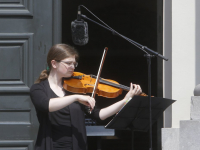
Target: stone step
(170,138)
(189,135)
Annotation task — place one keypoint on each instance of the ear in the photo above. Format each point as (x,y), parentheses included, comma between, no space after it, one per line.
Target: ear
(53,64)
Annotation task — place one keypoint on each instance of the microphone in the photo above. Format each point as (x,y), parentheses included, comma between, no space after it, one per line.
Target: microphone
(79,29)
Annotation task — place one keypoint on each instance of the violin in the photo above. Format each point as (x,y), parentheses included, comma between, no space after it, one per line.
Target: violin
(82,83)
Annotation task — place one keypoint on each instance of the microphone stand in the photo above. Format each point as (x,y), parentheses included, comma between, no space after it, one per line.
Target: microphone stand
(150,54)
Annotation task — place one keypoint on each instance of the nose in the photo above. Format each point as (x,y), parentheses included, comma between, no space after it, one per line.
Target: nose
(72,66)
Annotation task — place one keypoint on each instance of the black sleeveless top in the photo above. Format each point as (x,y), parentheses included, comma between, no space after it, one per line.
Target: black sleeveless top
(61,128)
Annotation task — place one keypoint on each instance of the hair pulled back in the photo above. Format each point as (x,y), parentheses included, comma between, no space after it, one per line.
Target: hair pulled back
(57,52)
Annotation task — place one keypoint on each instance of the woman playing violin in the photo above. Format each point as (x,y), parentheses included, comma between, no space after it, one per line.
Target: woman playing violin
(60,113)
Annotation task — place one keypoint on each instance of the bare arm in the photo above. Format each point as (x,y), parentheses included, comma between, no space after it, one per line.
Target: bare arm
(114,108)
(61,102)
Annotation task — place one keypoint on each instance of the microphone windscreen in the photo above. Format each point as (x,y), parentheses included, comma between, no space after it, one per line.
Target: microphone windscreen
(79,32)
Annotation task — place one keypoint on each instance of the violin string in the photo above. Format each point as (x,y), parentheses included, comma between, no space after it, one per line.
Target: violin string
(102,80)
(114,84)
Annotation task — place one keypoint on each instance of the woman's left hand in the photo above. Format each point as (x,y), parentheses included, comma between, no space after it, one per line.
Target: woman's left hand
(133,91)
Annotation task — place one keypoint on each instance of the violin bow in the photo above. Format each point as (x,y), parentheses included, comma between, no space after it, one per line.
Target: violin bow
(99,73)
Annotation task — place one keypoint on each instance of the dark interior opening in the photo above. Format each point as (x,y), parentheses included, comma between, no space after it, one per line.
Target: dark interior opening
(138,20)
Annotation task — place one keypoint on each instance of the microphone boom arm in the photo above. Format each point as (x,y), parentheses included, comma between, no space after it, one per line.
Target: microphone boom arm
(144,48)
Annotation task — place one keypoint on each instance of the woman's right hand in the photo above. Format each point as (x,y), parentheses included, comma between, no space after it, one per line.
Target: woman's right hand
(86,100)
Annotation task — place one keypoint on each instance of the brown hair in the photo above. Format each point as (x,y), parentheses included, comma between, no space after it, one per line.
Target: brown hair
(57,52)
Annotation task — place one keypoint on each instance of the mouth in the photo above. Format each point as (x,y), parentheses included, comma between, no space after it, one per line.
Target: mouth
(70,72)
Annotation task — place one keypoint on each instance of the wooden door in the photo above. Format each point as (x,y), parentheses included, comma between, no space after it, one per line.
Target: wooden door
(28,28)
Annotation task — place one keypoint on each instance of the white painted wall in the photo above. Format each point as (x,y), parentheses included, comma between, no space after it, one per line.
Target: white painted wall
(182,61)
(197,31)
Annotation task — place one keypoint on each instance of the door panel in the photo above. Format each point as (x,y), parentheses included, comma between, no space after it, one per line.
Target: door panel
(16,57)
(28,29)
(16,8)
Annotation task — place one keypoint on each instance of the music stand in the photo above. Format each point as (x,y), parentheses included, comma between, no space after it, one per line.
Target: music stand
(134,115)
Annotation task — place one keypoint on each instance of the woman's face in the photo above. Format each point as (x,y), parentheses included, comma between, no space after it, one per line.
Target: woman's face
(66,66)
